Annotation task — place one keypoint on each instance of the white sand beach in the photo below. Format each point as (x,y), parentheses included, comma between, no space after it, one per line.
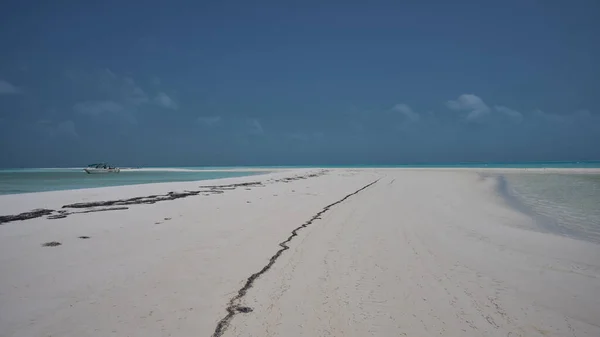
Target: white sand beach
(385,252)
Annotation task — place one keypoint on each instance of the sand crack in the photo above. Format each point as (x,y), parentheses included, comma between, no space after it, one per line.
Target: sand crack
(233,307)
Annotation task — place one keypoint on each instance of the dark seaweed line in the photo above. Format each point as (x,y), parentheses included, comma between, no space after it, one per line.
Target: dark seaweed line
(121,203)
(233,307)
(151,199)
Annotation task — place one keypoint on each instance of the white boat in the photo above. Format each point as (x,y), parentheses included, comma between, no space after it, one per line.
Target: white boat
(101,168)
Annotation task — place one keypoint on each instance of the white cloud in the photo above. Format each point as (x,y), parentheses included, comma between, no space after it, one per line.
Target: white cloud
(209,121)
(512,114)
(165,101)
(406,111)
(474,105)
(7,88)
(117,97)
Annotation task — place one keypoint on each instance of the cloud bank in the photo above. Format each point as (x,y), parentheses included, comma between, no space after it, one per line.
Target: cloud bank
(473,105)
(136,131)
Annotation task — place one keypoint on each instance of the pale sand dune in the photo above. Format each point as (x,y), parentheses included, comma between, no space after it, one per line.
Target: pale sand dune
(419,253)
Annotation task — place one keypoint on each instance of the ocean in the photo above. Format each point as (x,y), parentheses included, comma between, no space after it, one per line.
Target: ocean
(17,181)
(563,204)
(14,181)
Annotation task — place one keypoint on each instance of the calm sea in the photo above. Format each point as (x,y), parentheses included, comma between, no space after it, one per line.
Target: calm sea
(564,204)
(38,180)
(13,181)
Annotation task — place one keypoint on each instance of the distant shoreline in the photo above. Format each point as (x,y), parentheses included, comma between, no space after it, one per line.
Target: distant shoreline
(66,179)
(593,164)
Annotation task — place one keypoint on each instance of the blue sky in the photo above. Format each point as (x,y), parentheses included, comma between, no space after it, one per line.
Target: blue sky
(246,83)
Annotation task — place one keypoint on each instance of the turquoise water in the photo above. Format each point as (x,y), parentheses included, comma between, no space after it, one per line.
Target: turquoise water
(549,164)
(38,180)
(564,204)
(13,181)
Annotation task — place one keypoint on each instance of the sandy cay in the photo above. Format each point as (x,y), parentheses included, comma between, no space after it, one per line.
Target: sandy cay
(416,253)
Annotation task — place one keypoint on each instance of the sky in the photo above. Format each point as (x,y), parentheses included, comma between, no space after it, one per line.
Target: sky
(197,83)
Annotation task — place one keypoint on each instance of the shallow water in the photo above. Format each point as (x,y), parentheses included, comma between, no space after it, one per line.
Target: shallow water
(38,180)
(565,204)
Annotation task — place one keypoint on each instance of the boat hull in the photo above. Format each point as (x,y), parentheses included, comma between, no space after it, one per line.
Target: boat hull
(101,171)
